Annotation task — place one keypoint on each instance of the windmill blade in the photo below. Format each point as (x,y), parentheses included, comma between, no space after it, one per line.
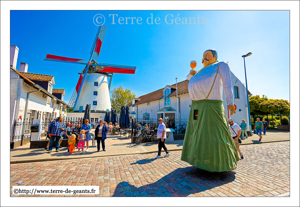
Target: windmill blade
(118,70)
(64,59)
(95,51)
(109,68)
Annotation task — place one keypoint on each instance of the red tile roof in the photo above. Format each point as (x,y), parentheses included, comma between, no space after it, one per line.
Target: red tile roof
(37,77)
(182,88)
(58,90)
(22,76)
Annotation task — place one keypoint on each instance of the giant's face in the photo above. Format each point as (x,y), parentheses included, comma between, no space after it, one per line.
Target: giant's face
(208,58)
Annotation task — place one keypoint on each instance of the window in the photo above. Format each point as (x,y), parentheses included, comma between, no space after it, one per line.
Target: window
(95,83)
(80,108)
(95,93)
(167,99)
(94,103)
(236,92)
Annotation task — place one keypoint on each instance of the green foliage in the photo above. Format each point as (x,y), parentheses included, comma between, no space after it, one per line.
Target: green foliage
(275,123)
(121,97)
(70,110)
(285,120)
(264,106)
(270,118)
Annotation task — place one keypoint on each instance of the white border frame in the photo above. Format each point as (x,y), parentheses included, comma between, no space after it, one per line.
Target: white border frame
(293,6)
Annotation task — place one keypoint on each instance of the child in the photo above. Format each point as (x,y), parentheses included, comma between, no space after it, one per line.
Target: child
(71,143)
(110,127)
(81,139)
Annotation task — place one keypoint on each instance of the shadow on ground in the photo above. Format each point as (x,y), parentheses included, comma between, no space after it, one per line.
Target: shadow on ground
(180,183)
(144,161)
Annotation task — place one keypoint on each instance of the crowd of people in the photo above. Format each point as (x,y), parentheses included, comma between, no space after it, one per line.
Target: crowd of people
(58,130)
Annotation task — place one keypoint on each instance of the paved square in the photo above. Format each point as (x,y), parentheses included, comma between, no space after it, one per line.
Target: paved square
(265,171)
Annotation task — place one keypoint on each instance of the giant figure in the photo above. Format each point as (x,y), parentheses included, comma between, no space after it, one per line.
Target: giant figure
(207,143)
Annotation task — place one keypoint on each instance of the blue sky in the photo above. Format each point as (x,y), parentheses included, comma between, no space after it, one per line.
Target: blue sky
(162,51)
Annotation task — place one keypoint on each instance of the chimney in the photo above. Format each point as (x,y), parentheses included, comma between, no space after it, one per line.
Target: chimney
(23,67)
(14,51)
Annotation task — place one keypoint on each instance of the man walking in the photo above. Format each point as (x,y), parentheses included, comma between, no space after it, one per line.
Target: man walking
(258,127)
(244,130)
(266,124)
(235,131)
(55,129)
(161,135)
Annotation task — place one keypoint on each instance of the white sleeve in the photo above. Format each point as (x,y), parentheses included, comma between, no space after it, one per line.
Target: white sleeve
(226,79)
(165,128)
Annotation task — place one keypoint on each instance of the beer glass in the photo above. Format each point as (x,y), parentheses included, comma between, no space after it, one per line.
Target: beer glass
(193,64)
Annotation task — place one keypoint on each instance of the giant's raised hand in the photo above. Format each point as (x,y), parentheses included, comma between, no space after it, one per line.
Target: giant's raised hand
(193,72)
(232,108)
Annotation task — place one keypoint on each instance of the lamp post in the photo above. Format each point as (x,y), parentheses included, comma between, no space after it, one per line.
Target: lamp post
(244,56)
(177,127)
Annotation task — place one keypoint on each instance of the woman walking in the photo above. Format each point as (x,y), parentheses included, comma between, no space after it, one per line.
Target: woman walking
(87,127)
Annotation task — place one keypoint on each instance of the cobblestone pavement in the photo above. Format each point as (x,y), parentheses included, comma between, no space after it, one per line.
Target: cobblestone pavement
(263,172)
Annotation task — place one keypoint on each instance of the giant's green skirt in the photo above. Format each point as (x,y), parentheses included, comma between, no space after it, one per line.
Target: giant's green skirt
(208,144)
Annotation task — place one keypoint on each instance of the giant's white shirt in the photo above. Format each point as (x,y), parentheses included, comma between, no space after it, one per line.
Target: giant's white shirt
(200,84)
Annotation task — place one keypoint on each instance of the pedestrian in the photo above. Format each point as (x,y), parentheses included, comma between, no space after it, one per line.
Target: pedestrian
(76,131)
(55,129)
(69,128)
(71,144)
(161,135)
(81,139)
(139,129)
(100,134)
(110,127)
(258,127)
(47,137)
(87,127)
(266,124)
(236,132)
(244,130)
(153,126)
(93,124)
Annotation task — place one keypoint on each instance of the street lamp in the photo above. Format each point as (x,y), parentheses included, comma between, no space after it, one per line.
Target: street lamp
(248,54)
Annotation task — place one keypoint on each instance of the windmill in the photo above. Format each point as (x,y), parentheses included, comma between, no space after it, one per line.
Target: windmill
(92,86)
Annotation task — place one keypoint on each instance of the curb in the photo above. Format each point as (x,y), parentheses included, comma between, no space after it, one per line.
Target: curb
(148,152)
(69,158)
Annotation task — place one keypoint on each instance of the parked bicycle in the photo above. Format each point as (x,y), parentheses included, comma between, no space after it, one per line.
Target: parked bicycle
(146,137)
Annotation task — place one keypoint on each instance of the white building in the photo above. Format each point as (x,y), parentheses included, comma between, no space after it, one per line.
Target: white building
(31,93)
(162,103)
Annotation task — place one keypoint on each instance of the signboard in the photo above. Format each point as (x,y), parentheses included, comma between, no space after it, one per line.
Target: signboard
(146,116)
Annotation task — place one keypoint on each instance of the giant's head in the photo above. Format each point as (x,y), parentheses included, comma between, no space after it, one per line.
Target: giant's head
(209,56)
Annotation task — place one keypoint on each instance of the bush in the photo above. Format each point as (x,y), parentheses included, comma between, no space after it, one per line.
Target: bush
(285,120)
(276,123)
(269,118)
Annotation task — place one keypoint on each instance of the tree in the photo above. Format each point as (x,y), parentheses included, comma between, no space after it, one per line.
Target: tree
(265,106)
(256,106)
(121,97)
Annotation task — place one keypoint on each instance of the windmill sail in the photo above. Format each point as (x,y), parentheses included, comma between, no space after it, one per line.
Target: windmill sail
(79,83)
(57,58)
(95,51)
